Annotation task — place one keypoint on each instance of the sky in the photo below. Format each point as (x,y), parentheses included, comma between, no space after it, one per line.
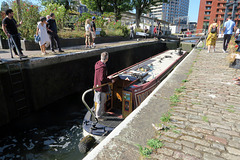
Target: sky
(193,10)
(192,13)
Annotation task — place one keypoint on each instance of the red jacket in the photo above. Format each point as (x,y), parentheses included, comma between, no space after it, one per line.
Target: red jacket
(100,76)
(155,30)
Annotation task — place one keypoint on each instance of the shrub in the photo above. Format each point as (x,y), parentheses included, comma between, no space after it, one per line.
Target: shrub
(71,34)
(30,16)
(58,10)
(3,35)
(125,31)
(103,33)
(138,30)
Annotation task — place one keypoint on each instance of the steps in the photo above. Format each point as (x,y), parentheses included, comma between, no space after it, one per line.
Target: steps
(18,93)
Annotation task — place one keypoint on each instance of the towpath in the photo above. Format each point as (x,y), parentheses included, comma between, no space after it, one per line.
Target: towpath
(207,118)
(5,53)
(204,120)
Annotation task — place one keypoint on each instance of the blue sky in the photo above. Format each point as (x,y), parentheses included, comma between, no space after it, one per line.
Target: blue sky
(193,10)
(192,13)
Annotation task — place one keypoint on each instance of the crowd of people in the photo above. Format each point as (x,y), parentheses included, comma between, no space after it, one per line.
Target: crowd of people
(228,28)
(46,33)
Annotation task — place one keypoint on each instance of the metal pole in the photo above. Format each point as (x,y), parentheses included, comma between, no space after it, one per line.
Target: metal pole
(233,10)
(10,47)
(16,47)
(226,12)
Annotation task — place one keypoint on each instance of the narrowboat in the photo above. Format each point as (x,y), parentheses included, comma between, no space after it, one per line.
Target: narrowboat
(133,85)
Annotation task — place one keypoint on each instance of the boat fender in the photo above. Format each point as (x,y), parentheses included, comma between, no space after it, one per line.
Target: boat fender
(86,144)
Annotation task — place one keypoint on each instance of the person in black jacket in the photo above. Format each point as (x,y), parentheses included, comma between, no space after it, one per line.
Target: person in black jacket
(10,26)
(52,26)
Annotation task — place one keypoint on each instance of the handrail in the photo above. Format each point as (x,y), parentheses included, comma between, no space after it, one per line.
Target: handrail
(10,41)
(85,103)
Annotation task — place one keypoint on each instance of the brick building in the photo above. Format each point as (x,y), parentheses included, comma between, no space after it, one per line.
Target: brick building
(210,9)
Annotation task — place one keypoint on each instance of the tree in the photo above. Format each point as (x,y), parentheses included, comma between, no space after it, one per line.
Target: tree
(65,3)
(143,6)
(116,6)
(4,6)
(98,5)
(120,6)
(30,17)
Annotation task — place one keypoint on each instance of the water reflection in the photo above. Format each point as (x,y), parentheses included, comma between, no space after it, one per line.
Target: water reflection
(53,133)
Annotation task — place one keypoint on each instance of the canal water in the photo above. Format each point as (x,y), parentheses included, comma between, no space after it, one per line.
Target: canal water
(51,134)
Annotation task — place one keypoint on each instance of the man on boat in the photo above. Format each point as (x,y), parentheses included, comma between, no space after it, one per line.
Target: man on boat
(100,78)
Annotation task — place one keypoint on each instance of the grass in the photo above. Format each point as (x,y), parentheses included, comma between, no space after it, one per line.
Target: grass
(180,90)
(185,80)
(196,103)
(71,34)
(155,143)
(230,110)
(166,117)
(175,98)
(144,151)
(117,32)
(189,72)
(205,119)
(176,131)
(231,106)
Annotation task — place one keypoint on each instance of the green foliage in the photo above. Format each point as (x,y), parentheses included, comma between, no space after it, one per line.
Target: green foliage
(71,34)
(125,31)
(231,106)
(117,28)
(139,30)
(96,5)
(176,131)
(108,15)
(185,80)
(230,110)
(180,90)
(3,35)
(196,103)
(68,4)
(144,6)
(100,21)
(30,16)
(116,6)
(166,117)
(154,143)
(190,71)
(175,98)
(205,119)
(59,11)
(146,152)
(85,16)
(103,33)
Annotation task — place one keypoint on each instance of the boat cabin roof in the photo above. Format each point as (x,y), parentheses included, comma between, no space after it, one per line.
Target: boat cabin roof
(149,69)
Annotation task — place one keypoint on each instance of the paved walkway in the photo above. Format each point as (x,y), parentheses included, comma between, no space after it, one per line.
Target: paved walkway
(5,53)
(206,121)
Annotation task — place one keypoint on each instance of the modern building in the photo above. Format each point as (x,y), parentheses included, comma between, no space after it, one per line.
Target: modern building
(210,9)
(172,11)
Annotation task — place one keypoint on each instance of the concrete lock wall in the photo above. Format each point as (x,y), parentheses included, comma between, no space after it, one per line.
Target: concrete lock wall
(51,78)
(4,118)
